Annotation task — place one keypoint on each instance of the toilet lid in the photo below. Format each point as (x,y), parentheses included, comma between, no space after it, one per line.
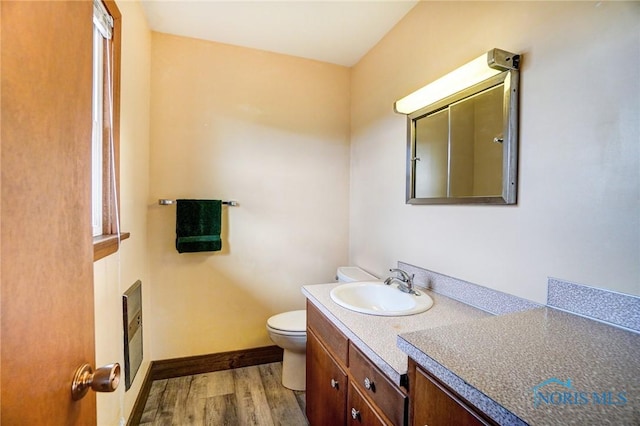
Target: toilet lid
(289,321)
(349,274)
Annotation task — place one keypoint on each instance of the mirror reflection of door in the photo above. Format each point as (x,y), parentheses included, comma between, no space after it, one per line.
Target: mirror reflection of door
(475,159)
(432,149)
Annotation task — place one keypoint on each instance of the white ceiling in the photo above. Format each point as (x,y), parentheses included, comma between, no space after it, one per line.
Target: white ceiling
(334,31)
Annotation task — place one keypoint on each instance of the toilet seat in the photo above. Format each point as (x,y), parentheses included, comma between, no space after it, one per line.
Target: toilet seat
(291,323)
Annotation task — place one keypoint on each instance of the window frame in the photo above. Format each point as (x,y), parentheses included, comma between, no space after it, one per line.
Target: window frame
(109,241)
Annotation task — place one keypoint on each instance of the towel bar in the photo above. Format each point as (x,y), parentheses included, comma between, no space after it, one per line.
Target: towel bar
(165,202)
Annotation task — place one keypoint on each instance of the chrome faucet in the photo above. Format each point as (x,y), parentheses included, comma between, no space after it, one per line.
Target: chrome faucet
(404,280)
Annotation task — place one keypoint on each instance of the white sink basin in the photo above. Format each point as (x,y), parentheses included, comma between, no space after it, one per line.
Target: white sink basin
(376,298)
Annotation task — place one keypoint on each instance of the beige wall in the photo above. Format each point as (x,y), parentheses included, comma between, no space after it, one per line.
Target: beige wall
(318,171)
(116,273)
(578,212)
(272,132)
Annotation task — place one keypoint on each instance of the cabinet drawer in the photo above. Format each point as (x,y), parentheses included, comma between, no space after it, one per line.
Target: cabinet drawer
(360,412)
(388,397)
(333,338)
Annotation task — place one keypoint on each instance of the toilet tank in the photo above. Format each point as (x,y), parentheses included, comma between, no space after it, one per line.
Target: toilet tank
(347,274)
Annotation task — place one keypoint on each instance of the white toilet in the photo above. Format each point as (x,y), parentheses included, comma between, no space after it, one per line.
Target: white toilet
(349,274)
(289,331)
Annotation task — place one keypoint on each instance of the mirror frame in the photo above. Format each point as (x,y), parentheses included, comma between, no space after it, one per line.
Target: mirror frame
(510,79)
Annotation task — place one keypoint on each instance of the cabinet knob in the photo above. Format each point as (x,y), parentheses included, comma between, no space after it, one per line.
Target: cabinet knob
(355,414)
(334,383)
(369,385)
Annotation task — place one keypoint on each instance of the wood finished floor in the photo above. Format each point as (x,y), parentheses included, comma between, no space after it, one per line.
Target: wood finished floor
(242,396)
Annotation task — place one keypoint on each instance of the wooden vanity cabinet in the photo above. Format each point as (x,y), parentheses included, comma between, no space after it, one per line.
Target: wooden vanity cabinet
(434,404)
(343,386)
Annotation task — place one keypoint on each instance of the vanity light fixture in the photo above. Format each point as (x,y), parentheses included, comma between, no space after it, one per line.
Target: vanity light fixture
(486,66)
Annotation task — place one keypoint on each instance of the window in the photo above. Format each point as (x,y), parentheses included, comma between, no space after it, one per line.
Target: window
(97,113)
(105,135)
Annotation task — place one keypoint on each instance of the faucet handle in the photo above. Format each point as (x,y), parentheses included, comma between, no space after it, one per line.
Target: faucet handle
(403,275)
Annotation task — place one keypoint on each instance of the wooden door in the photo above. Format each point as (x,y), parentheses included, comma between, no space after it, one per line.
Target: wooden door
(326,393)
(46,267)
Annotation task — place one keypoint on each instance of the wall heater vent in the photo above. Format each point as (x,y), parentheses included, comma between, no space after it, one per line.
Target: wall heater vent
(132,321)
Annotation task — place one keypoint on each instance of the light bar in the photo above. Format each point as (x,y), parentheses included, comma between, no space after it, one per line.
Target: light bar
(486,66)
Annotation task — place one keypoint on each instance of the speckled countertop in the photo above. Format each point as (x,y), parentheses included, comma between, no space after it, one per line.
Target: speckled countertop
(506,366)
(376,336)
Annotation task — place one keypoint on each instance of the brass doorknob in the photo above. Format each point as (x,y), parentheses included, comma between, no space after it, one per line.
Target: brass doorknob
(104,379)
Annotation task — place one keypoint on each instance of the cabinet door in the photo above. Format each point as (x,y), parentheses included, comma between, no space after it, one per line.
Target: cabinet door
(433,405)
(360,412)
(326,395)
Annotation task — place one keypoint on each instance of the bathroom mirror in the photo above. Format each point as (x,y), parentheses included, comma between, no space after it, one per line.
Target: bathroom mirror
(462,149)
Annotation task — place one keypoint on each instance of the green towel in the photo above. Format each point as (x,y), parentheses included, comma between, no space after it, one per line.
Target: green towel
(198,225)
